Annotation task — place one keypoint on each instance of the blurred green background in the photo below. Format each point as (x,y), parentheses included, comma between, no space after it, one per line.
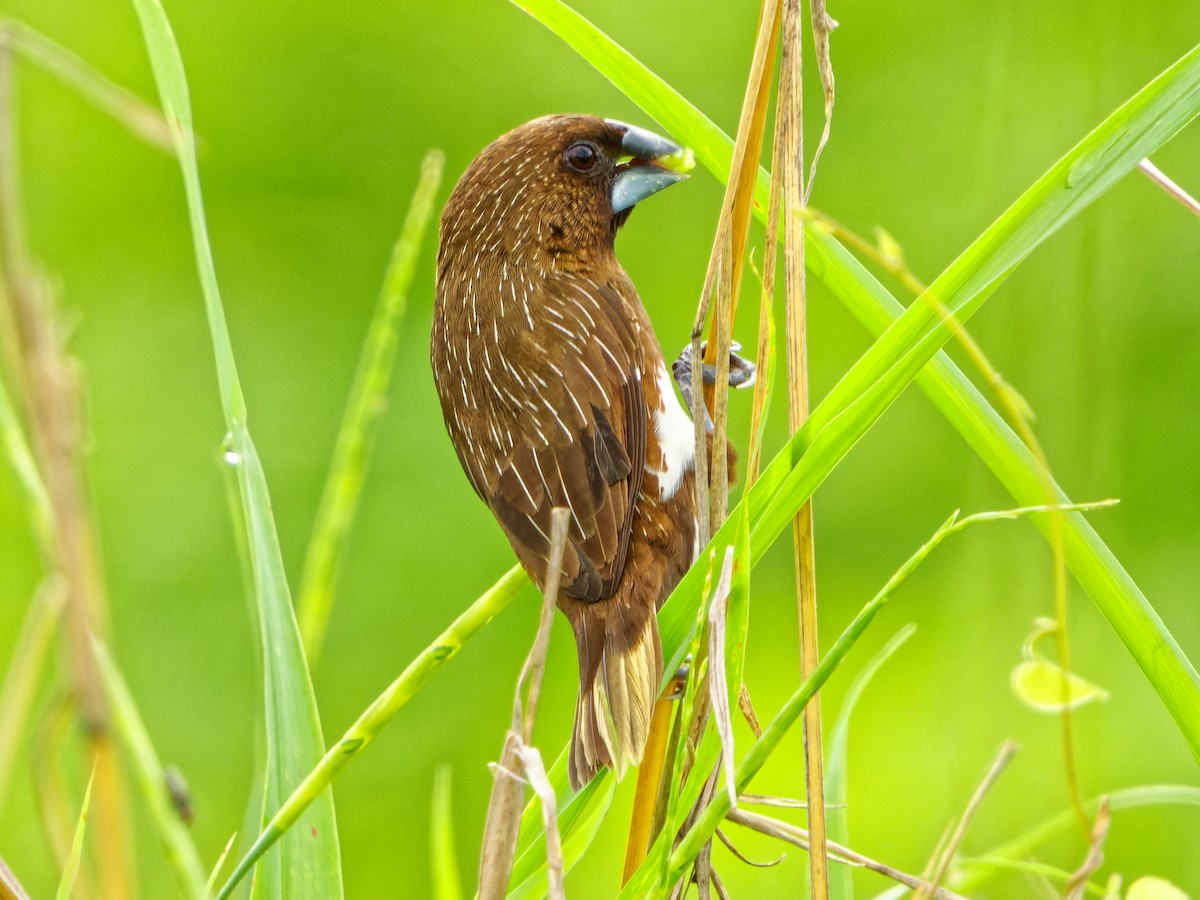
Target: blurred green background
(313,118)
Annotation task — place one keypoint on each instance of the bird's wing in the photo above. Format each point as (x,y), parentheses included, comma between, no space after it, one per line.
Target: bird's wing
(581,435)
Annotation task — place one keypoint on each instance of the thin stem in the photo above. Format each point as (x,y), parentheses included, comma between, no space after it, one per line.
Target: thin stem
(1155,174)
(800,837)
(1007,751)
(791,123)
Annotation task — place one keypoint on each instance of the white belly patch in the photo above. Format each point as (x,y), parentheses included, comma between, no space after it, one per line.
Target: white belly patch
(676,437)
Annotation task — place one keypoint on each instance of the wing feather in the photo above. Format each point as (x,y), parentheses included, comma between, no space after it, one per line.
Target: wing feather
(585,448)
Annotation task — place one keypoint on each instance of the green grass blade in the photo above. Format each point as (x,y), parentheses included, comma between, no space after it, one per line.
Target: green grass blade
(841,881)
(1021,847)
(683,855)
(211,883)
(377,715)
(67,883)
(25,672)
(308,863)
(531,847)
(351,455)
(447,885)
(141,118)
(577,835)
(20,458)
(1141,125)
(151,779)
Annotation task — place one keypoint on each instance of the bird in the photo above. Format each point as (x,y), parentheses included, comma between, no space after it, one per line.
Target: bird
(555,393)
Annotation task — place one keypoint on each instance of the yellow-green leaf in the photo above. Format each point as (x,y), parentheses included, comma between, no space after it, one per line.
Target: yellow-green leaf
(1038,683)
(1153,888)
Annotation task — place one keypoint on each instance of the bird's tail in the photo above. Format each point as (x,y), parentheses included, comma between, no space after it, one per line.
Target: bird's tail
(620,667)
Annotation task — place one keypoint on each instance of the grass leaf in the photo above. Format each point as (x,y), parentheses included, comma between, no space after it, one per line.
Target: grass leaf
(67,883)
(447,885)
(911,339)
(577,835)
(377,715)
(151,779)
(308,863)
(368,397)
(24,671)
(1021,847)
(841,881)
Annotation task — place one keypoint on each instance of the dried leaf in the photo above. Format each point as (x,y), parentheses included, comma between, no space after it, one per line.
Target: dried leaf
(717,687)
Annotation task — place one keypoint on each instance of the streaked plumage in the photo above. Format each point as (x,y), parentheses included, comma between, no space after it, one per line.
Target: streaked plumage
(555,393)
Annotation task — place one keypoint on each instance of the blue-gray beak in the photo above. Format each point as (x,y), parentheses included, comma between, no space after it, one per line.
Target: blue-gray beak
(654,163)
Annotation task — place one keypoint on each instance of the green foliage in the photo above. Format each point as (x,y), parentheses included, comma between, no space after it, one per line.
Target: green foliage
(841,885)
(446,883)
(410,602)
(368,400)
(151,780)
(66,886)
(910,341)
(308,863)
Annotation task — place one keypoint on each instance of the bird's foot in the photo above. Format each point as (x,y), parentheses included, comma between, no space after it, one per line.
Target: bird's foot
(741,373)
(674,690)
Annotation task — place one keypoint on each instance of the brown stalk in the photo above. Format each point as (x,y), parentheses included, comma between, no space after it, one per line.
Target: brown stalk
(790,124)
(766,310)
(47,382)
(503,823)
(822,27)
(739,190)
(799,837)
(718,687)
(722,277)
(643,825)
(1155,174)
(926,890)
(1078,882)
(10,888)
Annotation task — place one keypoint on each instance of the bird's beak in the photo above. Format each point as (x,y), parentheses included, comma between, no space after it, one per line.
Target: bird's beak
(652,163)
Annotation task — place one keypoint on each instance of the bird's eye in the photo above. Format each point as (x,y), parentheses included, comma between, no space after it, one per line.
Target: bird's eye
(581,156)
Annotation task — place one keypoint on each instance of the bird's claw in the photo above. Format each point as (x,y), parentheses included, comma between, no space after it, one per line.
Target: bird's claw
(741,371)
(675,689)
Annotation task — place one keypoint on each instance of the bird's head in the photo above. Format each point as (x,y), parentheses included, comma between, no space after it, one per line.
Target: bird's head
(554,191)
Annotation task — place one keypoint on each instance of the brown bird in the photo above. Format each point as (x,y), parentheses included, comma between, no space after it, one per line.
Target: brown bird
(555,393)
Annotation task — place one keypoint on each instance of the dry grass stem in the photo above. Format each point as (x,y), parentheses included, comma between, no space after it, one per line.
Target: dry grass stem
(734,223)
(799,837)
(790,126)
(47,380)
(700,435)
(503,823)
(535,771)
(719,886)
(747,708)
(1077,884)
(732,848)
(1155,174)
(1007,751)
(822,26)
(10,888)
(766,325)
(718,687)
